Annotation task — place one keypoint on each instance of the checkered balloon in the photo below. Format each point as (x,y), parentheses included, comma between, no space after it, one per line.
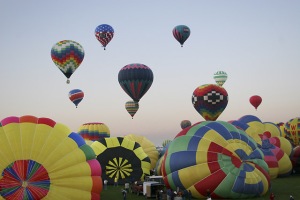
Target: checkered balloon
(210,100)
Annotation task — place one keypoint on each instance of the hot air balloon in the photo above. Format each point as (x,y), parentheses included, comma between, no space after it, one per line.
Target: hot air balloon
(292,130)
(185,123)
(148,147)
(255,101)
(295,158)
(76,96)
(104,34)
(181,33)
(67,56)
(220,77)
(42,159)
(135,79)
(225,158)
(94,131)
(122,158)
(210,100)
(132,107)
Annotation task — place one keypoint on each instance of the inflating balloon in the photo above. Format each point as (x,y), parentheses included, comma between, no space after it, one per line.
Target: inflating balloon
(181,33)
(132,107)
(210,100)
(292,130)
(94,131)
(185,123)
(255,101)
(148,147)
(76,96)
(295,158)
(67,56)
(135,79)
(42,159)
(225,158)
(220,77)
(121,158)
(104,34)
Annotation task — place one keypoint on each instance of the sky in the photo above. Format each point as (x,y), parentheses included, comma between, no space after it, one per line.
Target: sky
(257,43)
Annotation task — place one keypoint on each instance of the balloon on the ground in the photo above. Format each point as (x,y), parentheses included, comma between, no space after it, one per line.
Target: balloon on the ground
(41,158)
(148,147)
(185,123)
(121,158)
(255,101)
(225,158)
(295,158)
(132,107)
(210,100)
(276,154)
(220,77)
(104,34)
(94,131)
(181,33)
(76,96)
(67,56)
(292,130)
(135,79)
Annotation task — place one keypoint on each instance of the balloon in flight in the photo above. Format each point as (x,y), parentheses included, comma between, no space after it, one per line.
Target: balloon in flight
(181,33)
(220,77)
(104,34)
(135,79)
(210,100)
(255,101)
(132,107)
(76,96)
(67,55)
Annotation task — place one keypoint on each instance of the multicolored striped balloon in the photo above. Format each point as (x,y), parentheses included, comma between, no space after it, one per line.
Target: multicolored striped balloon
(67,56)
(210,100)
(94,131)
(132,107)
(76,96)
(220,77)
(135,79)
(181,33)
(104,34)
(219,157)
(42,159)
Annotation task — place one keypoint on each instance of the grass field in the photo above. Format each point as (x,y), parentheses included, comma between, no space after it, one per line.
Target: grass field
(282,188)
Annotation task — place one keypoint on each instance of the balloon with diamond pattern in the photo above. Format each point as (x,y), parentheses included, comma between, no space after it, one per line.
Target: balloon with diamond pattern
(210,100)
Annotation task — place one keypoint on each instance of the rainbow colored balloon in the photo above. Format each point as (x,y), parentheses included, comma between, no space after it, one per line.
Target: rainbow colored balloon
(210,100)
(94,131)
(219,157)
(67,55)
(42,159)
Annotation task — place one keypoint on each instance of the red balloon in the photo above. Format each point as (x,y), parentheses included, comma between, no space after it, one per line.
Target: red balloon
(255,101)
